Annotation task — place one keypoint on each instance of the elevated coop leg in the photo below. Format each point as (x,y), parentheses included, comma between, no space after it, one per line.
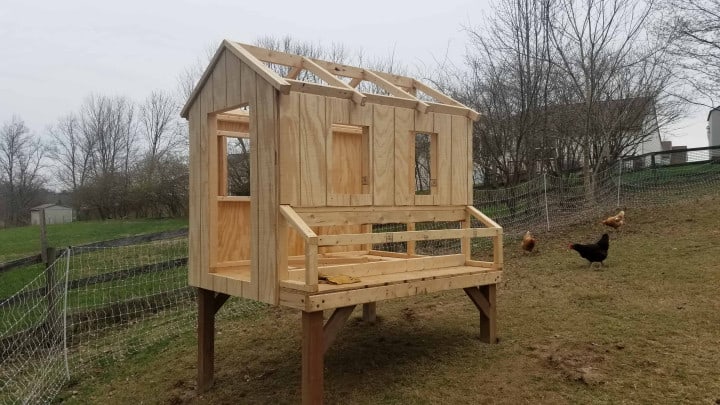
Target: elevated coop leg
(209,303)
(316,340)
(484,298)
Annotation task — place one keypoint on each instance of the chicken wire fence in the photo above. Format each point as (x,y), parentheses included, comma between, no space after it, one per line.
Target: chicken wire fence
(95,306)
(91,308)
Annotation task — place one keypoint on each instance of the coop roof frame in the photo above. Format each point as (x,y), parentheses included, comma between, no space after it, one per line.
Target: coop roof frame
(401,89)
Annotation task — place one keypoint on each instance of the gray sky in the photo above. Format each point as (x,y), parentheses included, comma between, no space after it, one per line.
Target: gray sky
(55,53)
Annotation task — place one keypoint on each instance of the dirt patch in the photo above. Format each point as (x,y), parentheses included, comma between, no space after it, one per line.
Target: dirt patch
(575,362)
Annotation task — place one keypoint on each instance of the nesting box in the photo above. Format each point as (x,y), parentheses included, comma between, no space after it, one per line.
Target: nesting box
(315,185)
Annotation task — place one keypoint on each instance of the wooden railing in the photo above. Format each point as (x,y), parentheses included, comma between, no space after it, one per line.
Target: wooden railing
(302,220)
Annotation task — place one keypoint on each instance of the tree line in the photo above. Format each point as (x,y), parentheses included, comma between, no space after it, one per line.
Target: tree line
(561,85)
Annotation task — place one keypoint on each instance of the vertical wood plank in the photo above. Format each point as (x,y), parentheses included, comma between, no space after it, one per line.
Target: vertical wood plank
(290,149)
(267,200)
(404,157)
(206,109)
(313,132)
(471,194)
(249,94)
(219,84)
(363,116)
(194,236)
(383,155)
(442,127)
(234,80)
(213,167)
(459,192)
(312,358)
(339,187)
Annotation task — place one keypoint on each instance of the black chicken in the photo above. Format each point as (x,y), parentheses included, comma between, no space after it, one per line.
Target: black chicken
(595,252)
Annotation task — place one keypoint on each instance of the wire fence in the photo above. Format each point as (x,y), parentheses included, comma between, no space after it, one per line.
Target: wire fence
(96,305)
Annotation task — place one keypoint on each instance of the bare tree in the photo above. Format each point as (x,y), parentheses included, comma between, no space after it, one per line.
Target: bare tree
(694,27)
(21,159)
(506,79)
(71,151)
(605,53)
(158,116)
(108,124)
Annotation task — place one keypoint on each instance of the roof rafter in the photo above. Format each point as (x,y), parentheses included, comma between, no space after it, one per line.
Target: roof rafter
(331,79)
(393,89)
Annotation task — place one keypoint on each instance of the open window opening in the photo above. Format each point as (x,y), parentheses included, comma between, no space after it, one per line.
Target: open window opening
(425,163)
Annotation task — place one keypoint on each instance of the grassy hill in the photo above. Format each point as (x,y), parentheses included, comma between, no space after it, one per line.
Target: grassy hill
(25,241)
(643,329)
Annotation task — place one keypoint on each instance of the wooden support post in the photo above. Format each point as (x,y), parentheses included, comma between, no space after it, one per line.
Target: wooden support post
(485,299)
(312,358)
(369,312)
(208,304)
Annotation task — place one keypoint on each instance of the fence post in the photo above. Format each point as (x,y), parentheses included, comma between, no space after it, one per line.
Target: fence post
(619,181)
(547,213)
(48,257)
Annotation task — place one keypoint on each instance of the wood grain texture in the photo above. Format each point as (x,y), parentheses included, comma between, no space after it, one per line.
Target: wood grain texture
(383,155)
(194,235)
(267,191)
(233,74)
(219,84)
(404,157)
(233,231)
(249,93)
(206,131)
(312,358)
(459,193)
(313,132)
(289,152)
(443,127)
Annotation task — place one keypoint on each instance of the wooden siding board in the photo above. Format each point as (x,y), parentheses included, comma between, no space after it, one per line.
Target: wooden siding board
(289,151)
(249,94)
(313,132)
(267,197)
(206,108)
(194,235)
(442,127)
(459,160)
(234,80)
(219,84)
(404,156)
(383,155)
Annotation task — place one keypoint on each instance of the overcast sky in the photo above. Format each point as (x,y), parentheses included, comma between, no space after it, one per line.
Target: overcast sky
(54,54)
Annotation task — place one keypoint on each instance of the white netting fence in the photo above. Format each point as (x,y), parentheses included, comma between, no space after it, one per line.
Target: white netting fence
(96,305)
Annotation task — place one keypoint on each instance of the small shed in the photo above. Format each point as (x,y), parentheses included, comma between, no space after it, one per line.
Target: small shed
(325,194)
(54,214)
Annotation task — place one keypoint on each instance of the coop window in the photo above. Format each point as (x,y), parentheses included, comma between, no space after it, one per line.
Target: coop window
(234,155)
(349,160)
(425,166)
(238,166)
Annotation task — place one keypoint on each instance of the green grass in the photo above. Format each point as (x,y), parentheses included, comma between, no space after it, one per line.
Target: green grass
(25,241)
(19,242)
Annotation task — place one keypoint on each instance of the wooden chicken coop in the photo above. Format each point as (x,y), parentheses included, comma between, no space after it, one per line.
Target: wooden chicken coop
(320,186)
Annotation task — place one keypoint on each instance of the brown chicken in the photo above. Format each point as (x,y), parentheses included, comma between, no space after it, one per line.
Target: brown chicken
(616,221)
(528,242)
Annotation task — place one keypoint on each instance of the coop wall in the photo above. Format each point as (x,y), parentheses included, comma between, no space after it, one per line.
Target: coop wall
(224,232)
(306,167)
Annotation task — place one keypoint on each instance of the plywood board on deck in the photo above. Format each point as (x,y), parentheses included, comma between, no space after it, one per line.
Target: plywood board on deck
(413,284)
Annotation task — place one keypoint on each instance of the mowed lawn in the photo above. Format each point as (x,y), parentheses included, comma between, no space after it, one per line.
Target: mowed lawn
(643,329)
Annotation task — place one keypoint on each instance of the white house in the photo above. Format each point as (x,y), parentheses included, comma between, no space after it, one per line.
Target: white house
(54,214)
(713,130)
